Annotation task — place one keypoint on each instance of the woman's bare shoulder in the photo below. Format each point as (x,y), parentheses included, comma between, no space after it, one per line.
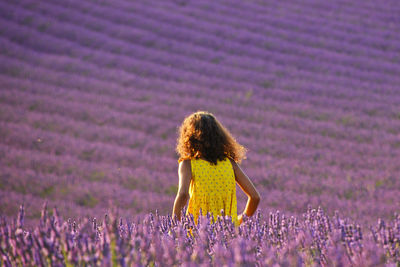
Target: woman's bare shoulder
(234,164)
(185,165)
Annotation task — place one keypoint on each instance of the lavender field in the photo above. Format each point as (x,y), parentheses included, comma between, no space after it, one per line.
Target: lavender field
(156,240)
(92,93)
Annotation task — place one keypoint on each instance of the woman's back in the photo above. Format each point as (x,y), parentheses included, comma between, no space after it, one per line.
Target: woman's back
(212,188)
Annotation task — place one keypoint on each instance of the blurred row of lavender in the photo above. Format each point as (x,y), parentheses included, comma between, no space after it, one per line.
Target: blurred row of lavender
(92,93)
(155,240)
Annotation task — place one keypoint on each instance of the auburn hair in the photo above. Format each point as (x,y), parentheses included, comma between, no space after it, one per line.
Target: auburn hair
(201,135)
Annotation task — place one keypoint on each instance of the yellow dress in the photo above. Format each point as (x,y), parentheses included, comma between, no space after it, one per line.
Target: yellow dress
(212,188)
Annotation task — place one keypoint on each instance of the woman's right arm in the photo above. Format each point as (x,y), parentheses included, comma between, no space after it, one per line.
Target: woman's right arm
(249,189)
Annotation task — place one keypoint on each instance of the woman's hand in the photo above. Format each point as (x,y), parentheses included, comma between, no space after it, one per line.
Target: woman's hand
(240,219)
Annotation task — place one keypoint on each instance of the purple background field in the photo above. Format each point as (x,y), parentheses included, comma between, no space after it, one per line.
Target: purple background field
(92,93)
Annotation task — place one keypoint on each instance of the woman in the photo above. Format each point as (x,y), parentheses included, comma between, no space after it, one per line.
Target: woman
(208,170)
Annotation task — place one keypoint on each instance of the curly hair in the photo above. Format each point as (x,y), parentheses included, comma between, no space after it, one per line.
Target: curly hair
(201,135)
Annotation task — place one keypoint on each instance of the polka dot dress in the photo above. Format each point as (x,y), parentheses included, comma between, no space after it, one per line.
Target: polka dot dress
(212,188)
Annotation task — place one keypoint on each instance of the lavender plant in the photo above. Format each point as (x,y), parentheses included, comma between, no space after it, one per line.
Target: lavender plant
(156,240)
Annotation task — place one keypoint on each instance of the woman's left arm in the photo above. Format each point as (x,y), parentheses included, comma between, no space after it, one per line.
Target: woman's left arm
(182,196)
